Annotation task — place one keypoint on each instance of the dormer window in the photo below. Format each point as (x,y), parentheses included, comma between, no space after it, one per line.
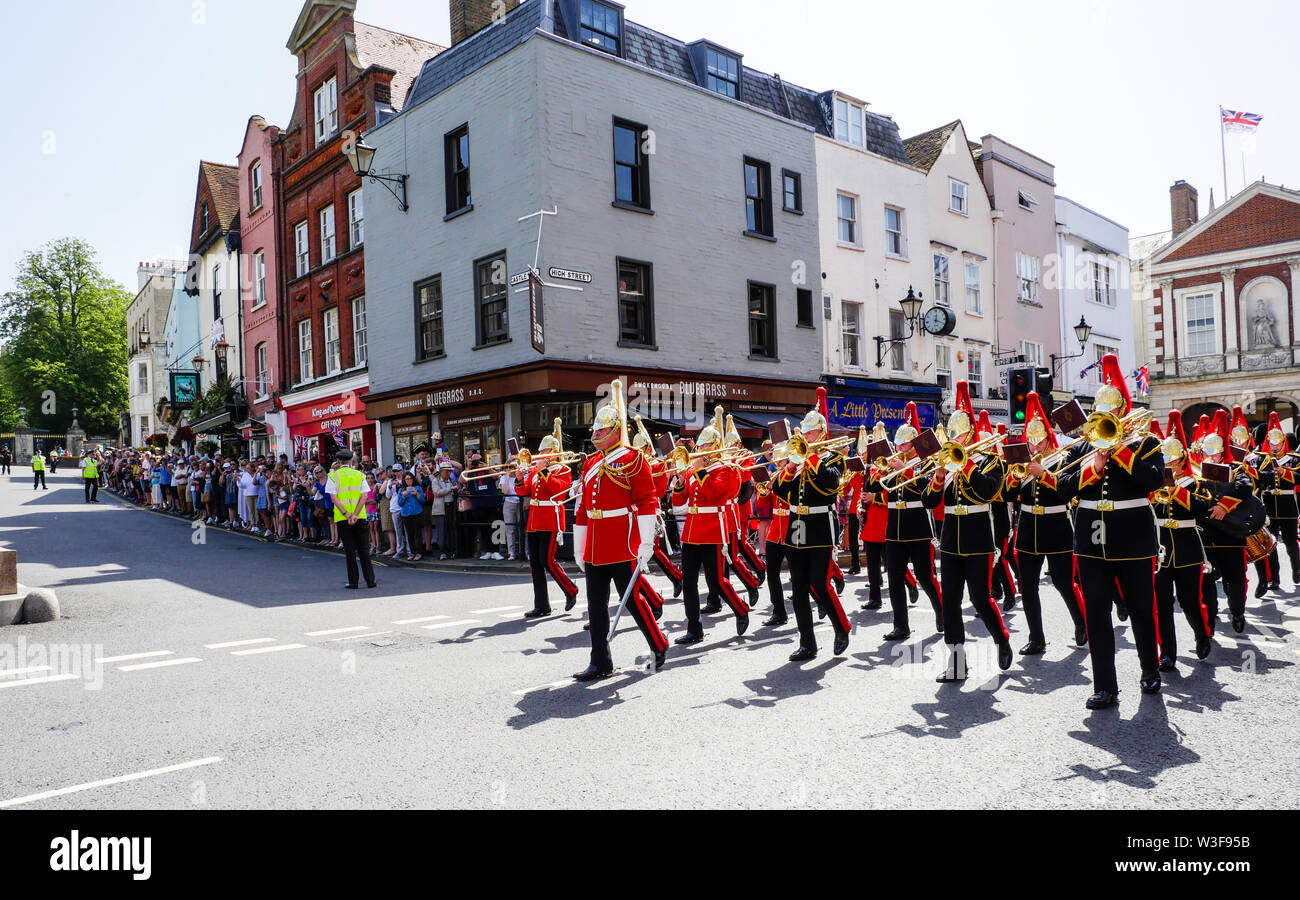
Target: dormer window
(1027,200)
(600,26)
(848,122)
(722,73)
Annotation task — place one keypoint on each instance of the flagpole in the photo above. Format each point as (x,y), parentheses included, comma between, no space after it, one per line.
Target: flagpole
(1223,148)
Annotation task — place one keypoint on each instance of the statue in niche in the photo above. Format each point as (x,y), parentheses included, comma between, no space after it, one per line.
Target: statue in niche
(1262,327)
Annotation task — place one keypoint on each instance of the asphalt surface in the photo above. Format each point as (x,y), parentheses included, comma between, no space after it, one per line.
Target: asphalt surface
(269,686)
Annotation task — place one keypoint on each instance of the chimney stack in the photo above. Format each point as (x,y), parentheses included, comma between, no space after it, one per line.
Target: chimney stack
(1183,207)
(469,17)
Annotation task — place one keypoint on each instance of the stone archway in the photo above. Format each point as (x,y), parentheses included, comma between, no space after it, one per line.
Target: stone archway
(1192,413)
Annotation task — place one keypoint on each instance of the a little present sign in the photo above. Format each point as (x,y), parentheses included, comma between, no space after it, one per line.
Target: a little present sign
(570,275)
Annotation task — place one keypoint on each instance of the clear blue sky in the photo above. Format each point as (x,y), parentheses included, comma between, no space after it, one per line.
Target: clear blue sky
(112,105)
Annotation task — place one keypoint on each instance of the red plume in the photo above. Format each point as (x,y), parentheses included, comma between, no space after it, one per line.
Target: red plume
(913,418)
(1034,410)
(985,427)
(821,405)
(1223,428)
(1112,374)
(1239,418)
(963,400)
(1155,429)
(1175,427)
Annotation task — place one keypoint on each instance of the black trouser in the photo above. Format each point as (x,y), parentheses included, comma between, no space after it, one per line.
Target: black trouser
(414,526)
(855,530)
(541,560)
(447,537)
(809,571)
(599,579)
(775,554)
(38,479)
(1229,565)
(875,561)
(897,556)
(974,574)
(92,489)
(709,558)
(670,529)
(1060,566)
(1136,582)
(356,543)
(1003,583)
(1186,582)
(1286,533)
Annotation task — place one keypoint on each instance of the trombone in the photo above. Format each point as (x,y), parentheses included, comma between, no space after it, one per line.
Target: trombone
(799,449)
(1106,431)
(952,457)
(524,460)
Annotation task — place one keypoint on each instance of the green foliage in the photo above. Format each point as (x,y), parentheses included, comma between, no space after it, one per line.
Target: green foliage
(64,328)
(219,394)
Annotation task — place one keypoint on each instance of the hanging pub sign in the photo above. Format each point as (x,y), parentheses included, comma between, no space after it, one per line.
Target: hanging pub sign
(536,313)
(184,387)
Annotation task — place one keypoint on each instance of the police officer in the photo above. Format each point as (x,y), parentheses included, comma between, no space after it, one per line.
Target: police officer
(90,476)
(348,488)
(38,471)
(1115,538)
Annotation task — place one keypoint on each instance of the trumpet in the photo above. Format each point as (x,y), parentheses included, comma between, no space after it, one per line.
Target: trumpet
(525,460)
(799,449)
(1105,431)
(953,458)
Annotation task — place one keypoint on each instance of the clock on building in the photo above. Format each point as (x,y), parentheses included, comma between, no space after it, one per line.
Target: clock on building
(939,321)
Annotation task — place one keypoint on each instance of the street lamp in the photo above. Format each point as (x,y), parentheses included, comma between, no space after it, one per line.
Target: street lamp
(361,156)
(911,305)
(222,347)
(1082,331)
(144,334)
(198,362)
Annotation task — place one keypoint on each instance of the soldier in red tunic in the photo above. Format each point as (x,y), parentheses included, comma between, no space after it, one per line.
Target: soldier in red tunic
(614,528)
(700,497)
(659,468)
(546,483)
(748,564)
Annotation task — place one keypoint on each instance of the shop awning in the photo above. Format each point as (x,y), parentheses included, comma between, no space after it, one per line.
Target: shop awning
(215,422)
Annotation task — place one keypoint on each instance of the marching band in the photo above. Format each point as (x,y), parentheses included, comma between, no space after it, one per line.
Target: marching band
(1112,511)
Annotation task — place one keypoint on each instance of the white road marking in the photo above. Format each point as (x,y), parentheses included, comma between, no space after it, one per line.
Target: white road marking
(4,672)
(32,798)
(511,616)
(43,680)
(336,631)
(158,665)
(452,624)
(415,621)
(130,656)
(274,649)
(544,687)
(495,609)
(359,637)
(228,644)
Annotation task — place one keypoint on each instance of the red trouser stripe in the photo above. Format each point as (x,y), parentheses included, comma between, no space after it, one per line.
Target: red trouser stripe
(1155,606)
(645,589)
(645,620)
(938,591)
(552,565)
(729,594)
(997,610)
(833,600)
(835,568)
(665,561)
(747,578)
(755,563)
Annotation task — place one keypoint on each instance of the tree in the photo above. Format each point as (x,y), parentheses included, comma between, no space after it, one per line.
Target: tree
(64,327)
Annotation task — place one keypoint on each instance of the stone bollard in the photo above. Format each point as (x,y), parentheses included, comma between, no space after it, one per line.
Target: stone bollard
(40,605)
(8,572)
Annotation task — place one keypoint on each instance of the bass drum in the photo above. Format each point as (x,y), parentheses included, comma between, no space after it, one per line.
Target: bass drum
(1259,545)
(1245,521)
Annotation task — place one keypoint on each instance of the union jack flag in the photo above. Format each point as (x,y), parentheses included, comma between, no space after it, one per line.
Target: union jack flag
(339,436)
(1084,373)
(1143,379)
(1239,121)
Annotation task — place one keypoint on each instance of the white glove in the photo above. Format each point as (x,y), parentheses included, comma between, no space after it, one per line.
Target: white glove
(580,546)
(646,525)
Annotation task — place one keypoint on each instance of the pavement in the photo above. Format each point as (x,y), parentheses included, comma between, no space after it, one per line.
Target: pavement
(195,668)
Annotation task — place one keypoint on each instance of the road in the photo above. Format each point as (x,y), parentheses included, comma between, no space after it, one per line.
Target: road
(251,679)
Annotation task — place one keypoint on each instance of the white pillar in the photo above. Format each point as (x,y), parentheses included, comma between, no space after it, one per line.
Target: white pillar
(1167,323)
(1231,356)
(1291,304)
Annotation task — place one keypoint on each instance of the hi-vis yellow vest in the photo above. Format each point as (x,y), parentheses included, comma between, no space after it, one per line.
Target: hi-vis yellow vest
(91,470)
(38,463)
(349,493)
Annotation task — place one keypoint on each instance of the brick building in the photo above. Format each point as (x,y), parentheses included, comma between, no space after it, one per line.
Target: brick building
(1220,306)
(351,77)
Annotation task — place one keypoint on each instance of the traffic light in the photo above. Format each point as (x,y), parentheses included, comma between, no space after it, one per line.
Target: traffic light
(1019,385)
(1044,384)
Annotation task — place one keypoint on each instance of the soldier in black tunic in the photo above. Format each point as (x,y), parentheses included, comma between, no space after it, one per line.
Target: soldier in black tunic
(909,532)
(1182,557)
(811,485)
(1225,549)
(967,546)
(1115,537)
(1277,482)
(1044,534)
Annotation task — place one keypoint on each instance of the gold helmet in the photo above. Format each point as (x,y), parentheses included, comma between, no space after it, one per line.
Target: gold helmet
(1036,431)
(641,440)
(1109,399)
(1241,436)
(1277,438)
(732,436)
(1212,444)
(614,413)
(1172,449)
(959,423)
(553,442)
(879,433)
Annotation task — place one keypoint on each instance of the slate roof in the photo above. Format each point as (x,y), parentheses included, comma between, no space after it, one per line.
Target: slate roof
(923,150)
(223,184)
(400,52)
(649,48)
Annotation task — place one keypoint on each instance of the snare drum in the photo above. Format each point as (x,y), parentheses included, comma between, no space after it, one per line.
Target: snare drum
(1259,545)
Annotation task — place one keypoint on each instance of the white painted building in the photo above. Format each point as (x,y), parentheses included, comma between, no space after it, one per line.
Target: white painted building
(146,323)
(1091,271)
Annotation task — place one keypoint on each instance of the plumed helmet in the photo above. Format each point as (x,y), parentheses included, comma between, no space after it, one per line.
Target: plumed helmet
(818,418)
(731,436)
(614,413)
(879,433)
(1240,433)
(553,442)
(1113,395)
(962,419)
(710,439)
(1215,441)
(1038,427)
(1174,447)
(1276,437)
(911,427)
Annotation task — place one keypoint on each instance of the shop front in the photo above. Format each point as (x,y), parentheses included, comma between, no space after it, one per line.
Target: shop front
(317,430)
(851,402)
(483,412)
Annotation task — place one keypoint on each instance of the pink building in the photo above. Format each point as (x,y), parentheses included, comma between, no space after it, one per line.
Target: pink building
(262,344)
(1022,189)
